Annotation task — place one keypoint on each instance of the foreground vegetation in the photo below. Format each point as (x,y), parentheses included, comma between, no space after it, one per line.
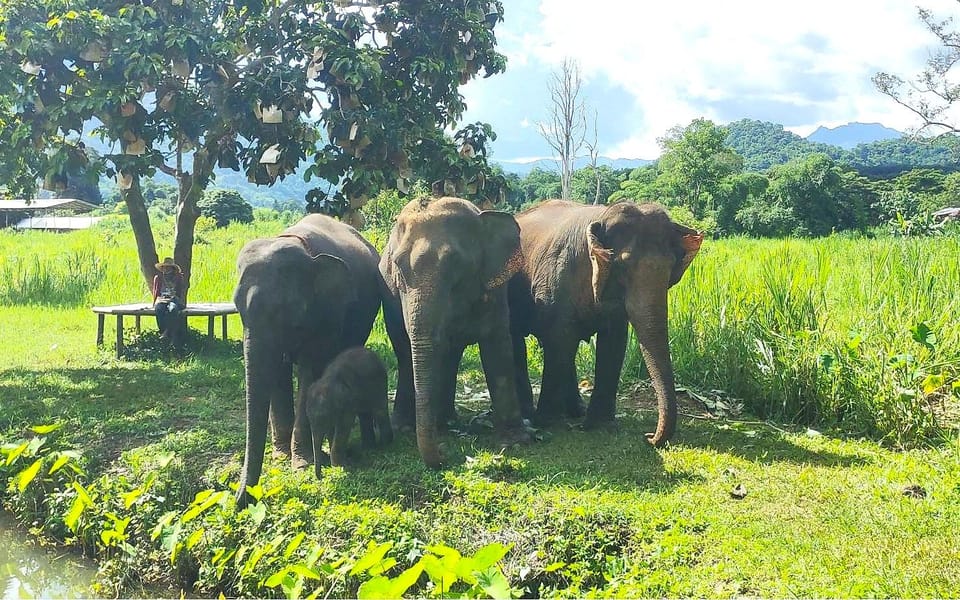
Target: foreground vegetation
(849,337)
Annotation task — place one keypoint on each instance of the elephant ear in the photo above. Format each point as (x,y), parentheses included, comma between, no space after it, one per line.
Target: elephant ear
(333,279)
(500,241)
(600,259)
(690,241)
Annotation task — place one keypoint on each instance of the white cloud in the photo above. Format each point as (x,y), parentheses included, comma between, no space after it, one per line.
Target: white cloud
(683,59)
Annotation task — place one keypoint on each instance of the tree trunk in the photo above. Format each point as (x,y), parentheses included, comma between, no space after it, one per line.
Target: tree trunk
(142,233)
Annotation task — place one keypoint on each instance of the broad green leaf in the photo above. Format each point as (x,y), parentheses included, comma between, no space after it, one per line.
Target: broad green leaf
(405,580)
(382,567)
(293,545)
(304,571)
(439,574)
(495,584)
(932,383)
(208,499)
(375,553)
(73,515)
(277,578)
(195,538)
(29,474)
(489,555)
(378,587)
(15,453)
(554,566)
(45,429)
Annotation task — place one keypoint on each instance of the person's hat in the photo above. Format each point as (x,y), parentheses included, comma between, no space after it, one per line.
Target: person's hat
(167,263)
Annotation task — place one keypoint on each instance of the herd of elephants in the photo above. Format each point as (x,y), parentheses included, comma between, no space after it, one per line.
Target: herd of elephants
(451,275)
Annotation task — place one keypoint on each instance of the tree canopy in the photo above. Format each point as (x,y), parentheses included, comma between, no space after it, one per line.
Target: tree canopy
(361,92)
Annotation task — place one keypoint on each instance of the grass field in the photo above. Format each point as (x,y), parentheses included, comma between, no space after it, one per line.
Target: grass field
(853,338)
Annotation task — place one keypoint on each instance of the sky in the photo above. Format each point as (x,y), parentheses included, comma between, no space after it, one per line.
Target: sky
(649,66)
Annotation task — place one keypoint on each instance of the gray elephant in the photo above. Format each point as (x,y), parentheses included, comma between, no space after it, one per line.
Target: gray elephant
(353,385)
(446,265)
(591,270)
(303,296)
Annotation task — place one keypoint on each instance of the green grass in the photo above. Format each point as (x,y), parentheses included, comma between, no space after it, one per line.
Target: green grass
(587,514)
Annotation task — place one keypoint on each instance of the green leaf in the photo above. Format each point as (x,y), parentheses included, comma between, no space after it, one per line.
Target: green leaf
(489,555)
(293,545)
(204,500)
(195,538)
(375,553)
(554,567)
(493,582)
(304,571)
(277,578)
(73,515)
(27,475)
(439,574)
(932,383)
(15,453)
(378,587)
(922,334)
(405,580)
(45,429)
(63,459)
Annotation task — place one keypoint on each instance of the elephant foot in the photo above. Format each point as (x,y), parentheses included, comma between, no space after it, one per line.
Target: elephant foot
(281,451)
(575,409)
(300,461)
(513,436)
(402,422)
(606,425)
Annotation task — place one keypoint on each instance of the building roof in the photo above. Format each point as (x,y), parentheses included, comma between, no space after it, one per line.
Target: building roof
(46,204)
(58,223)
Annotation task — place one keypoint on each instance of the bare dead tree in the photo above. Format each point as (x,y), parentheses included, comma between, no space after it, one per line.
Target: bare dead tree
(933,94)
(593,148)
(566,128)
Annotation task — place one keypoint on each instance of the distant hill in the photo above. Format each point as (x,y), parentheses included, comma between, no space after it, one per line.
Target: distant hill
(853,134)
(547,164)
(763,145)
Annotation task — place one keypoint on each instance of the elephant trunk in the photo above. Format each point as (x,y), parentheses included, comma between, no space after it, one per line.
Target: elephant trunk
(424,366)
(647,312)
(259,382)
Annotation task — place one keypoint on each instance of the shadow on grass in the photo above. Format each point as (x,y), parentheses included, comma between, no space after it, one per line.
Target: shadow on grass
(124,405)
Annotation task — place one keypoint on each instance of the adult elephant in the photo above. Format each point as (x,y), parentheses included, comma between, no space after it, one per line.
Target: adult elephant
(591,270)
(446,265)
(303,297)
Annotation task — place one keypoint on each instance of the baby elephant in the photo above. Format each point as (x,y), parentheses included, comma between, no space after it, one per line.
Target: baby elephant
(353,385)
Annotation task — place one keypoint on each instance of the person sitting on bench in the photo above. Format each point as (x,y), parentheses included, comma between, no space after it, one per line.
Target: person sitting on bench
(169,289)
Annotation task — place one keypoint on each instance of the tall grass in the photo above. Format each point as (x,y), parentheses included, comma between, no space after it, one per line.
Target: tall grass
(852,332)
(857,333)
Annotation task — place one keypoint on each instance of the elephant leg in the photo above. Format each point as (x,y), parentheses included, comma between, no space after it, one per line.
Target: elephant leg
(498,367)
(302,447)
(404,410)
(318,432)
(611,347)
(521,374)
(340,439)
(382,421)
(281,409)
(559,389)
(368,438)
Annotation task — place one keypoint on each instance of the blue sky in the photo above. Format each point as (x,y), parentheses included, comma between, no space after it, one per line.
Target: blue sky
(648,66)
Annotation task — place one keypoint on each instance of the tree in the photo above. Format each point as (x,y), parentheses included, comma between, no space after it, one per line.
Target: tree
(933,93)
(566,128)
(640,186)
(225,206)
(594,184)
(695,160)
(183,86)
(540,184)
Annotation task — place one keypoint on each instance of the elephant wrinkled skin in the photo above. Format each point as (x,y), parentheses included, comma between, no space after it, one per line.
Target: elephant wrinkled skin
(303,296)
(591,270)
(353,385)
(446,265)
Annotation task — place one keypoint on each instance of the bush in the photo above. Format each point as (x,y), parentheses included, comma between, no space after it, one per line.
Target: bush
(225,206)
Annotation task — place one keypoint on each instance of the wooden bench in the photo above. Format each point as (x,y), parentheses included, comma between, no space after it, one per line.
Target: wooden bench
(211,310)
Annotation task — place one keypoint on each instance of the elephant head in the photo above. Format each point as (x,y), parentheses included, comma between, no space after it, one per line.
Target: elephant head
(449,261)
(637,251)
